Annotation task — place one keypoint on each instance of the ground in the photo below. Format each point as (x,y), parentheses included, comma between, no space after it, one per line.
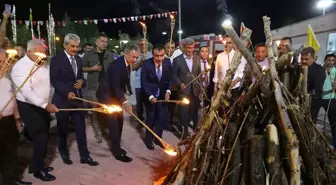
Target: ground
(146,166)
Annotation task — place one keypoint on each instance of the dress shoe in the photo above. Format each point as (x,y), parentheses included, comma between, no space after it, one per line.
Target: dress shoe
(150,146)
(44,176)
(66,159)
(123,158)
(21,183)
(89,161)
(47,169)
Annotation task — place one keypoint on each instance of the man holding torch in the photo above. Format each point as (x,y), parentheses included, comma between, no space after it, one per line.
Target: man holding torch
(156,82)
(111,90)
(34,106)
(9,133)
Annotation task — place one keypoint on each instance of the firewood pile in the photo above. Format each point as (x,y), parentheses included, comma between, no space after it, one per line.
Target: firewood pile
(264,137)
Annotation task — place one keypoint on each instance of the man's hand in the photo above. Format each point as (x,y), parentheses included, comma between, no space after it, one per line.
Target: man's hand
(154,100)
(0,115)
(51,108)
(167,96)
(5,15)
(127,107)
(97,68)
(71,96)
(79,84)
(182,86)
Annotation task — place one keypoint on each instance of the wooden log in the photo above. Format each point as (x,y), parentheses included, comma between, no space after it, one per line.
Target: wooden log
(234,176)
(274,166)
(245,52)
(285,123)
(284,60)
(257,167)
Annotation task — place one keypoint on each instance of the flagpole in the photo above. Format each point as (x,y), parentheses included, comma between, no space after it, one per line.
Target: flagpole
(14,25)
(31,23)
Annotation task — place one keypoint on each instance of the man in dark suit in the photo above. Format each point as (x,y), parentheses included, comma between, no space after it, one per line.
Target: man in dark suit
(66,76)
(156,82)
(111,90)
(186,68)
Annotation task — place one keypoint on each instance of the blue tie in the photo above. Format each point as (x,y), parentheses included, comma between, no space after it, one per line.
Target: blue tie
(159,75)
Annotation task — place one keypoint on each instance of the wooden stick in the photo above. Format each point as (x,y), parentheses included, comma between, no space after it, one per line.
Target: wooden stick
(164,143)
(172,26)
(77,109)
(88,101)
(32,71)
(197,77)
(170,101)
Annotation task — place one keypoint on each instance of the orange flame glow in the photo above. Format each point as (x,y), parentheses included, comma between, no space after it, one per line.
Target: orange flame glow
(41,55)
(11,52)
(111,109)
(185,101)
(170,150)
(208,67)
(172,16)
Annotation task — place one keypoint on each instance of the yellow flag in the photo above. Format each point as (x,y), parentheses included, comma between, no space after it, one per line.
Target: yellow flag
(311,40)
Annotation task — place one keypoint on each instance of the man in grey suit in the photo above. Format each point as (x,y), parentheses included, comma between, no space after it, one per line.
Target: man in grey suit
(95,63)
(186,68)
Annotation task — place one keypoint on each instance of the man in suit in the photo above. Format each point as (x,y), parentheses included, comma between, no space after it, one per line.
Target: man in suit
(186,68)
(206,81)
(111,90)
(66,75)
(156,82)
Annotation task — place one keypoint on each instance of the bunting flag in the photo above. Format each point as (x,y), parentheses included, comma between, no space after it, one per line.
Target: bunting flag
(311,40)
(105,20)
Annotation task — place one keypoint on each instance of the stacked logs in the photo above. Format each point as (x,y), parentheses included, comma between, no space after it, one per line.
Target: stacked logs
(264,137)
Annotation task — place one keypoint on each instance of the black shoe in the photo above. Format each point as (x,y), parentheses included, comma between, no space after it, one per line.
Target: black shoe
(21,183)
(150,146)
(47,169)
(123,158)
(89,161)
(66,159)
(44,176)
(158,143)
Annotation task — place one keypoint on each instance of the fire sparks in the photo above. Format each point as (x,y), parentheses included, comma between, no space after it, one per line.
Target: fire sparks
(111,109)
(185,101)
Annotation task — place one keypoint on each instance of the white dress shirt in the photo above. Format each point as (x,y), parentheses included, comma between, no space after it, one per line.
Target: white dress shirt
(222,65)
(6,93)
(70,60)
(189,62)
(176,53)
(36,90)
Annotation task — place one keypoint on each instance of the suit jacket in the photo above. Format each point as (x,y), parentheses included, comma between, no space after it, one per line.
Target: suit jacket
(150,82)
(112,87)
(183,75)
(63,78)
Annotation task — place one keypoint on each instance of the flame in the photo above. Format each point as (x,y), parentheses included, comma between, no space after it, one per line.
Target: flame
(185,101)
(41,55)
(210,55)
(143,24)
(170,150)
(208,67)
(264,68)
(11,52)
(111,109)
(278,42)
(172,16)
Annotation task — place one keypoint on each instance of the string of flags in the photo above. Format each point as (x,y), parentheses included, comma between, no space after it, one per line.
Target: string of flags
(108,20)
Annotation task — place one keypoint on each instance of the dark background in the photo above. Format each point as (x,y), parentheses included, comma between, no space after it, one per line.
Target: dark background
(198,16)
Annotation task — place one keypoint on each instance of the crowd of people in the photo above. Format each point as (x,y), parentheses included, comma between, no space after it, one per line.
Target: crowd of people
(163,73)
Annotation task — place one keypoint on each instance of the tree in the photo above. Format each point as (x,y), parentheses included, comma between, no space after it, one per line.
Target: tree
(23,34)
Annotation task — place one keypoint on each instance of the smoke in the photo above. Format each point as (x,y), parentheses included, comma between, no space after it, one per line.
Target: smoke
(223,8)
(135,6)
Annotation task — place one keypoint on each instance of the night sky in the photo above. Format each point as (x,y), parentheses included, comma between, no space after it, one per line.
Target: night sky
(198,16)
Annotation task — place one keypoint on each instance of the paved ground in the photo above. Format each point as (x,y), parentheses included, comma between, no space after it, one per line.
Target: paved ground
(146,166)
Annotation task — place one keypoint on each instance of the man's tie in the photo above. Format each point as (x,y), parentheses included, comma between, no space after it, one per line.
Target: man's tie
(74,65)
(205,76)
(159,75)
